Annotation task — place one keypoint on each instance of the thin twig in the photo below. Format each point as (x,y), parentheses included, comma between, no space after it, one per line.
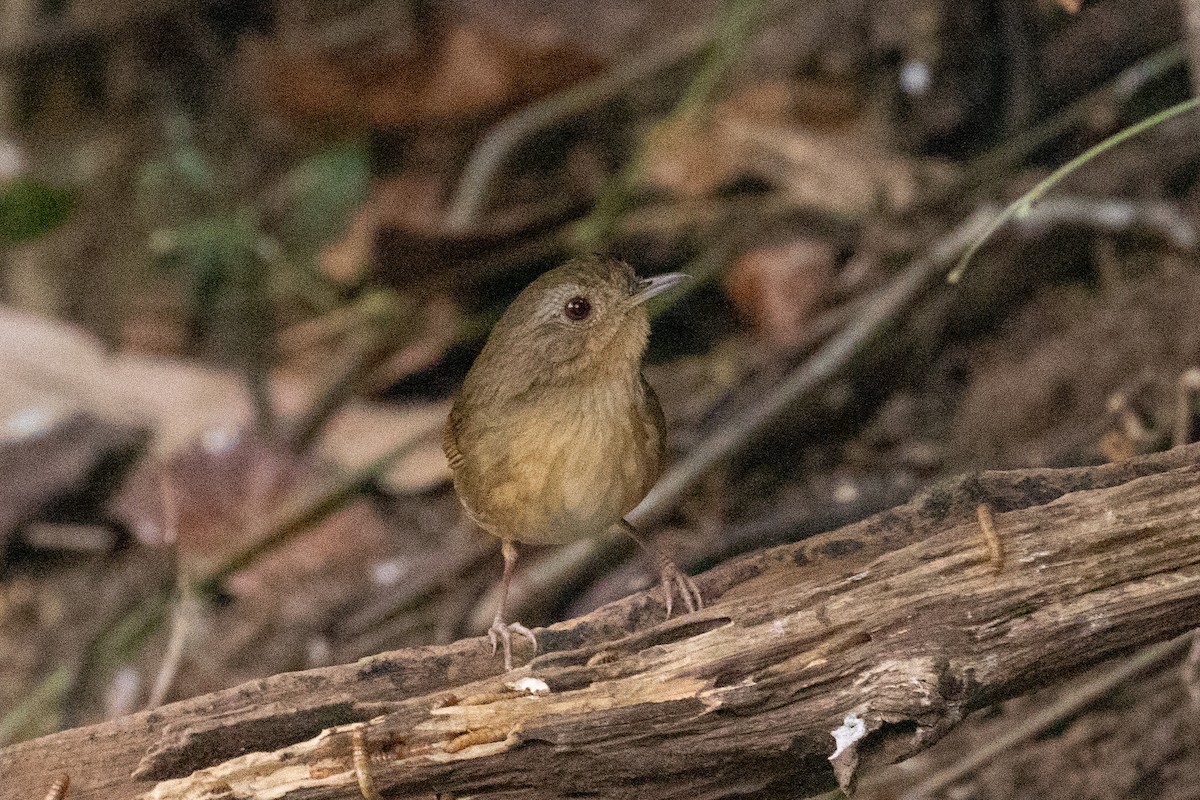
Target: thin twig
(185,604)
(381,313)
(1191,28)
(306,514)
(1186,389)
(259,345)
(1066,708)
(494,150)
(984,169)
(475,184)
(185,610)
(738,20)
(1189,671)
(1117,215)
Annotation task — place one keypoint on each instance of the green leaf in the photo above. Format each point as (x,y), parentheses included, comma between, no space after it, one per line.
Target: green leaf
(216,248)
(191,166)
(323,191)
(29,209)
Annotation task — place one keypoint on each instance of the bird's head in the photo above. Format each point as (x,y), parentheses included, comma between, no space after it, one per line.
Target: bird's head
(587,317)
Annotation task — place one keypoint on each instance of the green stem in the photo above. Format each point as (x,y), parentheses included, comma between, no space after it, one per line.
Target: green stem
(36,713)
(739,19)
(1024,204)
(382,319)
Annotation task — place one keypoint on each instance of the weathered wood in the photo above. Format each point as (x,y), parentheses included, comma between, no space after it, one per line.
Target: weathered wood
(902,619)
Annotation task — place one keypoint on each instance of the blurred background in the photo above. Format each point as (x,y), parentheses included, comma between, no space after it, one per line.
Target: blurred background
(248,251)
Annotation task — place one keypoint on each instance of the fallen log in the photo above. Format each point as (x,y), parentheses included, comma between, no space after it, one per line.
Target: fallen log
(889,631)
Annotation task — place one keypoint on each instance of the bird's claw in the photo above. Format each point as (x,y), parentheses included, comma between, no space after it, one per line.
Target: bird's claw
(502,632)
(672,578)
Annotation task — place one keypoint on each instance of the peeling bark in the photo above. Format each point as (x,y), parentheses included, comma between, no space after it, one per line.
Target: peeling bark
(903,620)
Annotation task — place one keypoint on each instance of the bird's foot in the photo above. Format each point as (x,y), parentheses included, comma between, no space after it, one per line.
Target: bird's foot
(672,578)
(501,633)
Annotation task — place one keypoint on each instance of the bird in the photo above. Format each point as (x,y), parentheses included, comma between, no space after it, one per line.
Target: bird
(555,434)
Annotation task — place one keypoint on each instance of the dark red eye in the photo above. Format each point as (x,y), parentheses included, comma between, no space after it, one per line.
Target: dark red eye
(577,308)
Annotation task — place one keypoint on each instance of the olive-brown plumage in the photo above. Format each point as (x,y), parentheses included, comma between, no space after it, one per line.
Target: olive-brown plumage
(556,435)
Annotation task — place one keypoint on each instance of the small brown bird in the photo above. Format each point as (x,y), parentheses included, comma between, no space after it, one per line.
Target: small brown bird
(556,435)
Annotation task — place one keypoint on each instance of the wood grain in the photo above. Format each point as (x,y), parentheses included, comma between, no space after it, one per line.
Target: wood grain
(901,619)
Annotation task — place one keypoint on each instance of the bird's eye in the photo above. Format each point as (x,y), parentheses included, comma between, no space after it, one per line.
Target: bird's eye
(577,309)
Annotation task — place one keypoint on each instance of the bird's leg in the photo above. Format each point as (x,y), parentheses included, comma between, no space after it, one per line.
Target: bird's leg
(671,577)
(501,631)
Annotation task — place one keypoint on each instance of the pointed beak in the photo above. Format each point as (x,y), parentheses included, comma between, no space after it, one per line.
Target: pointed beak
(649,287)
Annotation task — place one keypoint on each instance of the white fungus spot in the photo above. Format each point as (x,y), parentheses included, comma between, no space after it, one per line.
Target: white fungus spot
(845,492)
(852,729)
(12,159)
(528,685)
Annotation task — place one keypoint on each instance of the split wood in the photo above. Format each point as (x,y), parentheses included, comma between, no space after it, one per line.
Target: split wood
(901,620)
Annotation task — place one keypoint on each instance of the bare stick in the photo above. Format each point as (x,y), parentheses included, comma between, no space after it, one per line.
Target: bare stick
(187,607)
(884,307)
(1187,388)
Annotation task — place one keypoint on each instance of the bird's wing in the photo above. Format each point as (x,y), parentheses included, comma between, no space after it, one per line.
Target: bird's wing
(450,440)
(656,431)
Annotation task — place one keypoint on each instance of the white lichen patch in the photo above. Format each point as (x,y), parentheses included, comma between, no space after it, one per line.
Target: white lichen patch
(529,685)
(846,737)
(852,729)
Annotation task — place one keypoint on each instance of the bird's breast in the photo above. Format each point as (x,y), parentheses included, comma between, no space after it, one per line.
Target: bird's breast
(566,466)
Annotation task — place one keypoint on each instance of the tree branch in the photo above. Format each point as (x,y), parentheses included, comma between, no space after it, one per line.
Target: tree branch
(900,620)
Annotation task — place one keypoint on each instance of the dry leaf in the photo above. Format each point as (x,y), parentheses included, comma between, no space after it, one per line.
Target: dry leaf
(362,432)
(212,499)
(804,138)
(466,74)
(778,288)
(835,173)
(688,158)
(53,371)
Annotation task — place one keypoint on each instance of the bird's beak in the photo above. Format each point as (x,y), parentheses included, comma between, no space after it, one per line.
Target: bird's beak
(649,287)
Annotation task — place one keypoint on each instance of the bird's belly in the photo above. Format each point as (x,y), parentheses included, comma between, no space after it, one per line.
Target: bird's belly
(568,477)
